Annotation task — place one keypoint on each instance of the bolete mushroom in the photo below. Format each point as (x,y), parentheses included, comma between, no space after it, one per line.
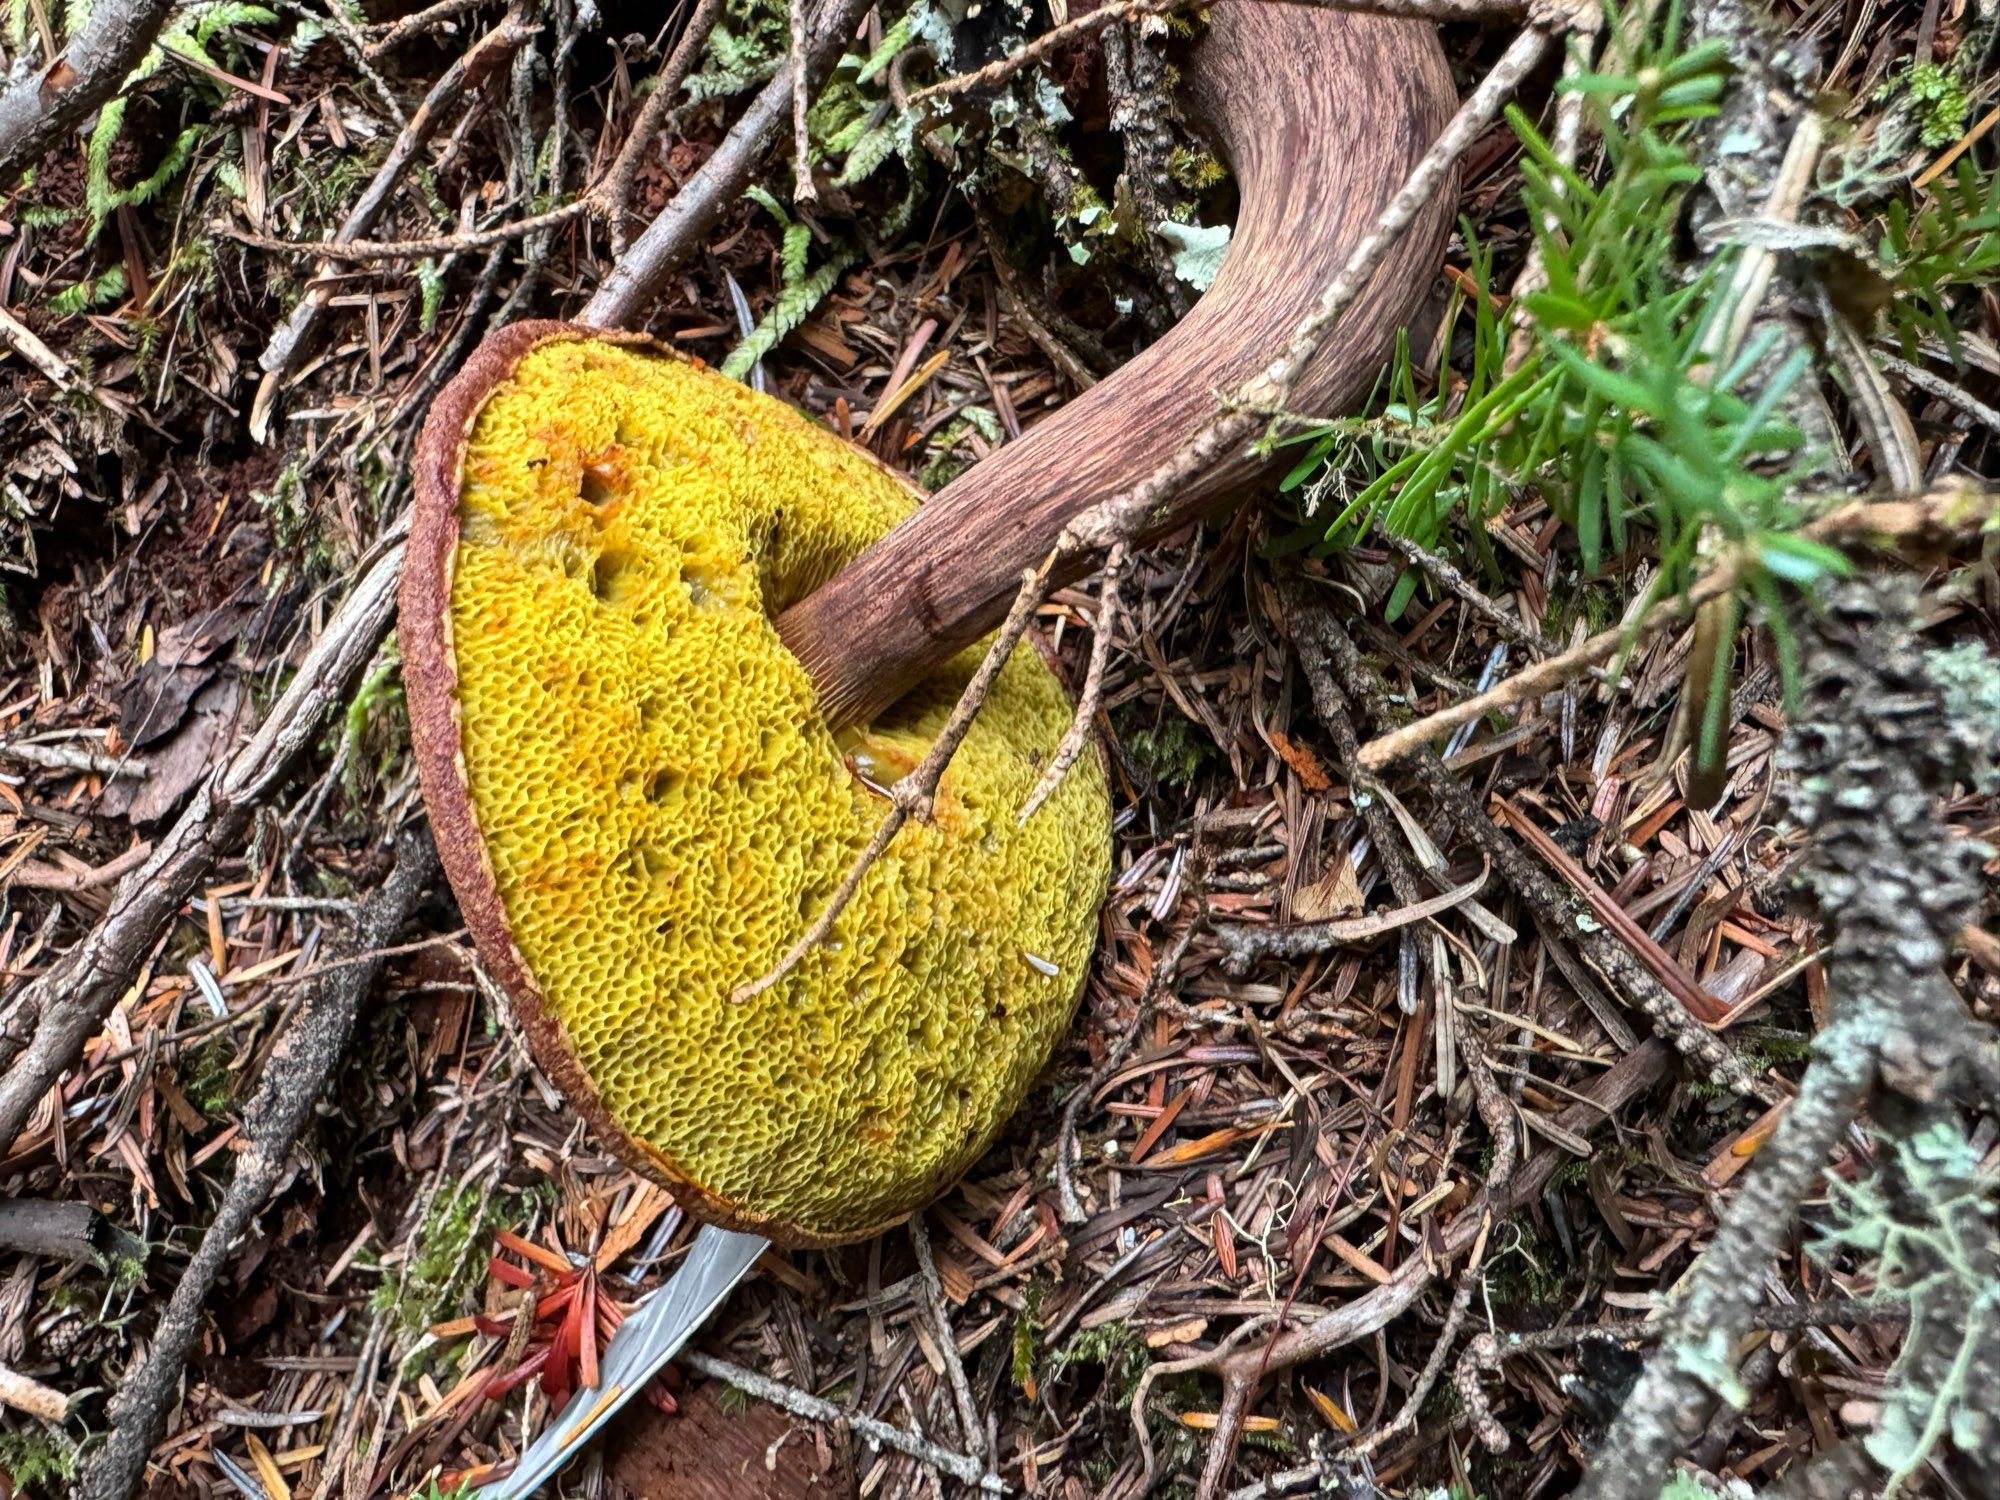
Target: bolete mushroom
(666,642)
(639,805)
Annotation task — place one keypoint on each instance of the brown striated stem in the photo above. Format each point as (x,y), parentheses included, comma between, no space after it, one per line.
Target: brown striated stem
(1321,115)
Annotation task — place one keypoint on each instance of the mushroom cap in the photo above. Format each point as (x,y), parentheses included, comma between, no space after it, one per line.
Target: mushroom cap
(640,807)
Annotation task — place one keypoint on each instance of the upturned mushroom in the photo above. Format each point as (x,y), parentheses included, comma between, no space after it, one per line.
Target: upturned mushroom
(667,643)
(638,802)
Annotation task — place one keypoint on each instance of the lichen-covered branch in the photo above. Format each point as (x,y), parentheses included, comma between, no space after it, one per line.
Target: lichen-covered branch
(1871,753)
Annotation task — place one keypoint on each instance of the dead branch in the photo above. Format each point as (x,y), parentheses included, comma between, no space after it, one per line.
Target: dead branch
(67,1004)
(40,105)
(1872,752)
(295,1073)
(639,272)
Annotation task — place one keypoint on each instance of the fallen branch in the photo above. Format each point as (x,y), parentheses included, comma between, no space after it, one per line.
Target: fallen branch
(883,1434)
(1871,753)
(70,1001)
(41,105)
(717,185)
(294,1074)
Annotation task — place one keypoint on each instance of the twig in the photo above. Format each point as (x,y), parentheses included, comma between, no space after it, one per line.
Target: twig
(786,1398)
(1630,978)
(716,186)
(1335,679)
(30,347)
(1455,583)
(1056,37)
(430,18)
(41,105)
(417,249)
(70,1001)
(614,194)
(970,1428)
(1087,702)
(1485,1354)
(1029,53)
(1941,508)
(1123,515)
(31,1396)
(1245,944)
(286,1095)
(914,792)
(68,758)
(1944,390)
(803,190)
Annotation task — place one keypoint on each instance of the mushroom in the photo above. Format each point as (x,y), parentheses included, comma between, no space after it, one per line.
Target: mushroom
(666,643)
(639,804)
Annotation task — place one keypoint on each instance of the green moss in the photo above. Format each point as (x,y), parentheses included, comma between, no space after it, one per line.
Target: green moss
(1938,99)
(449,1254)
(39,1460)
(1170,753)
(1195,170)
(1117,1347)
(206,1078)
(1518,1275)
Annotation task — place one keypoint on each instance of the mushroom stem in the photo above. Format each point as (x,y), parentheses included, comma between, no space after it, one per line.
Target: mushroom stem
(1321,115)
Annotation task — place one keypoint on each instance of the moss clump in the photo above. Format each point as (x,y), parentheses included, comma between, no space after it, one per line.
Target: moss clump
(1169,754)
(450,1251)
(207,1079)
(38,1460)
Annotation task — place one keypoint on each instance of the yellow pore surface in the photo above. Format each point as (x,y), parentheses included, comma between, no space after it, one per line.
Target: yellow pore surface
(666,811)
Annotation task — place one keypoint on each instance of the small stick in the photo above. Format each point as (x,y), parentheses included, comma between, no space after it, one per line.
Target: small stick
(1001,69)
(803,190)
(31,1396)
(814,1409)
(614,194)
(969,1425)
(1943,507)
(1087,702)
(430,18)
(298,1067)
(40,105)
(1455,583)
(913,793)
(417,249)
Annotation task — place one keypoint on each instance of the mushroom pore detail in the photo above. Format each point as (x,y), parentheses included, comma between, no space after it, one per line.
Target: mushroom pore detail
(657,809)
